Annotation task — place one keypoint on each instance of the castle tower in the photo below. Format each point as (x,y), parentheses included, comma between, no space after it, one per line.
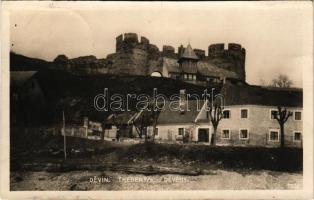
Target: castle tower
(188,62)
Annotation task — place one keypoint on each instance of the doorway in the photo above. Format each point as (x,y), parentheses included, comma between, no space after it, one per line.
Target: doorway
(203,135)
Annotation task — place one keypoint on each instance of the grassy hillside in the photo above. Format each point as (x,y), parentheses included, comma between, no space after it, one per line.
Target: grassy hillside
(75,94)
(95,154)
(23,63)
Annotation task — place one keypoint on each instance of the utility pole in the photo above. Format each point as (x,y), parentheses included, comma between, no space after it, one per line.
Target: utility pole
(64,137)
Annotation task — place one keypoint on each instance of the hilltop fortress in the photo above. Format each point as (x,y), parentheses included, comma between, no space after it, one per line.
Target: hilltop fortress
(136,56)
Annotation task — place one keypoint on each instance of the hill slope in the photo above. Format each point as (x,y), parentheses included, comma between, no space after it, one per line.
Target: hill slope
(63,90)
(23,63)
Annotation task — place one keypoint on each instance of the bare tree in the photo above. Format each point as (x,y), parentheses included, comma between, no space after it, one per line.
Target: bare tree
(104,126)
(215,113)
(141,123)
(154,116)
(282,116)
(117,122)
(263,82)
(147,118)
(282,81)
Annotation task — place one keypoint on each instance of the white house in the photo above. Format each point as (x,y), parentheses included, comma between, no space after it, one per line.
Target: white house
(248,118)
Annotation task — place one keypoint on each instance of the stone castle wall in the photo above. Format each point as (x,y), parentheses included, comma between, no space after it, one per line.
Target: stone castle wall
(232,58)
(136,56)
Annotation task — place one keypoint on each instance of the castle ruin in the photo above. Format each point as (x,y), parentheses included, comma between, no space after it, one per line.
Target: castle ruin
(136,56)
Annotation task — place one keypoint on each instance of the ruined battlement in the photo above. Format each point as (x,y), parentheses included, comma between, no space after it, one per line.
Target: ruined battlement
(137,56)
(128,41)
(200,53)
(169,51)
(144,40)
(130,37)
(217,50)
(134,54)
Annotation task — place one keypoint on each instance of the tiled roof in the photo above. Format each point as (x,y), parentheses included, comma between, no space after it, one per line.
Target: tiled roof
(168,116)
(171,64)
(203,67)
(210,69)
(235,94)
(121,118)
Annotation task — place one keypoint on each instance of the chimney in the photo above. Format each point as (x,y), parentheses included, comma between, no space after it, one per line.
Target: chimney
(85,122)
(183,99)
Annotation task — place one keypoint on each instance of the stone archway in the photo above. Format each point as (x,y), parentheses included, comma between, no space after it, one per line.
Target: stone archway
(156,74)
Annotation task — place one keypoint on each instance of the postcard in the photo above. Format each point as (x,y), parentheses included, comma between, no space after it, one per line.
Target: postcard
(157,100)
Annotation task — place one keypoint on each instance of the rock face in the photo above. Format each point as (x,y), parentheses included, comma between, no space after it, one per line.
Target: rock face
(81,65)
(139,57)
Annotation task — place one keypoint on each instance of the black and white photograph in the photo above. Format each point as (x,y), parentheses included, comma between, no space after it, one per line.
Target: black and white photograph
(159,96)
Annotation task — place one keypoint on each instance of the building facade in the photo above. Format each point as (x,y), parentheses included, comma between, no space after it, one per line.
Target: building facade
(248,119)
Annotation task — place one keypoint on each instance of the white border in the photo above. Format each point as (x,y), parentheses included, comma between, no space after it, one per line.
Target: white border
(305,193)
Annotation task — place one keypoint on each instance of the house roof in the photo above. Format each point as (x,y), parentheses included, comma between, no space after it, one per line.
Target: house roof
(235,94)
(171,64)
(205,68)
(210,69)
(170,116)
(122,118)
(189,53)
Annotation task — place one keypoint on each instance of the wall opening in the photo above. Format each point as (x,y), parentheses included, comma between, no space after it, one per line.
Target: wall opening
(156,74)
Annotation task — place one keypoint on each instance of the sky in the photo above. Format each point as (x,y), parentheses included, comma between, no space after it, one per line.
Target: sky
(277,36)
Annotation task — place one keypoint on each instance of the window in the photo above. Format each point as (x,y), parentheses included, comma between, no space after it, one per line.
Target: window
(244,134)
(156,132)
(174,75)
(297,136)
(194,77)
(274,135)
(273,113)
(185,76)
(297,115)
(244,113)
(226,114)
(225,134)
(181,131)
(216,80)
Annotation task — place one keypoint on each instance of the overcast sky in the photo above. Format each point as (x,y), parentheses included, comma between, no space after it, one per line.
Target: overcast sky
(276,35)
